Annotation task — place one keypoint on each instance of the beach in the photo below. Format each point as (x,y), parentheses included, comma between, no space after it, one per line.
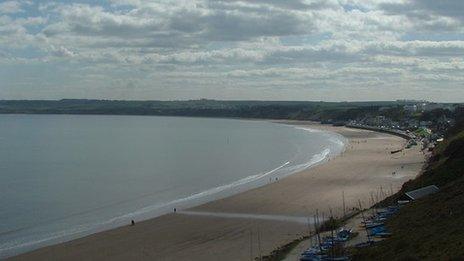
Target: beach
(255,222)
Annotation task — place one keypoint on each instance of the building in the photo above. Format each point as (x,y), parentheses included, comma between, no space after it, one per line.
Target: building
(422,192)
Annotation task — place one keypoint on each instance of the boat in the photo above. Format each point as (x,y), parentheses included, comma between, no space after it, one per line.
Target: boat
(378,229)
(364,244)
(383,234)
(344,234)
(373,224)
(340,258)
(312,254)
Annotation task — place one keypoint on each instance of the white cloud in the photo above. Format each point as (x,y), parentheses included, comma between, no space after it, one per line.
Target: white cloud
(212,47)
(10,7)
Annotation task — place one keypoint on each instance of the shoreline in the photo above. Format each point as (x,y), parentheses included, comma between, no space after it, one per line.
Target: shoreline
(257,201)
(190,201)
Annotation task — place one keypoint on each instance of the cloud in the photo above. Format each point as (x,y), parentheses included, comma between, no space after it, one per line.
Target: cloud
(166,24)
(430,15)
(10,7)
(293,49)
(61,51)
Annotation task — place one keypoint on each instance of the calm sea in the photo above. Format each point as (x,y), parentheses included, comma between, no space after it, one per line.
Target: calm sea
(66,176)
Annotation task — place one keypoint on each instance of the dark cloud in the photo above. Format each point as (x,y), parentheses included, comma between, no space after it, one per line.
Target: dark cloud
(450,8)
(416,49)
(312,55)
(287,4)
(226,26)
(175,27)
(430,13)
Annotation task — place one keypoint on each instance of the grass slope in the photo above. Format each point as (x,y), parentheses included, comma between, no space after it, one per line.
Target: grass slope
(431,228)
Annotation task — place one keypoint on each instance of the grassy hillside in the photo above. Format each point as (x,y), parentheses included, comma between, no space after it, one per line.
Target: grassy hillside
(430,228)
(301,110)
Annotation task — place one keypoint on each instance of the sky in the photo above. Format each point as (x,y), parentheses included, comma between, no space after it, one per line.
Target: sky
(330,50)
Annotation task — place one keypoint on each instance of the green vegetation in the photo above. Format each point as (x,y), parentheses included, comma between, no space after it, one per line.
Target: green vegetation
(298,110)
(430,228)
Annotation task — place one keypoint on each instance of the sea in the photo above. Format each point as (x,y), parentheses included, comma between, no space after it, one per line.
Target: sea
(67,176)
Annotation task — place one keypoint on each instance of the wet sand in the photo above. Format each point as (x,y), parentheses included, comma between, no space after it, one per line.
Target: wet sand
(241,227)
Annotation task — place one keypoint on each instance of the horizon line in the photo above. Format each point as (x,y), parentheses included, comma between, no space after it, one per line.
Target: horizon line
(232,100)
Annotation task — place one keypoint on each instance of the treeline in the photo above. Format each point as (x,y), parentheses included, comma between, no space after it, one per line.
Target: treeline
(298,110)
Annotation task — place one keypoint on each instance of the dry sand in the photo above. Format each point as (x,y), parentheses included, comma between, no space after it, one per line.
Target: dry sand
(242,226)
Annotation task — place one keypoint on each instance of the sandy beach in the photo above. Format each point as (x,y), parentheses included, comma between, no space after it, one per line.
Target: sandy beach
(242,226)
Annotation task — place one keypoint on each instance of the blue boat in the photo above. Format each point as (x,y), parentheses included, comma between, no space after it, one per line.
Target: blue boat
(373,224)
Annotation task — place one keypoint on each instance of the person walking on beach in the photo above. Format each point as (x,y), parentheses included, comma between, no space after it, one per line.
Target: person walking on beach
(132,222)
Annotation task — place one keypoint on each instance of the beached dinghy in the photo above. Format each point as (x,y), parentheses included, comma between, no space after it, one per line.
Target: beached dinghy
(383,234)
(340,258)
